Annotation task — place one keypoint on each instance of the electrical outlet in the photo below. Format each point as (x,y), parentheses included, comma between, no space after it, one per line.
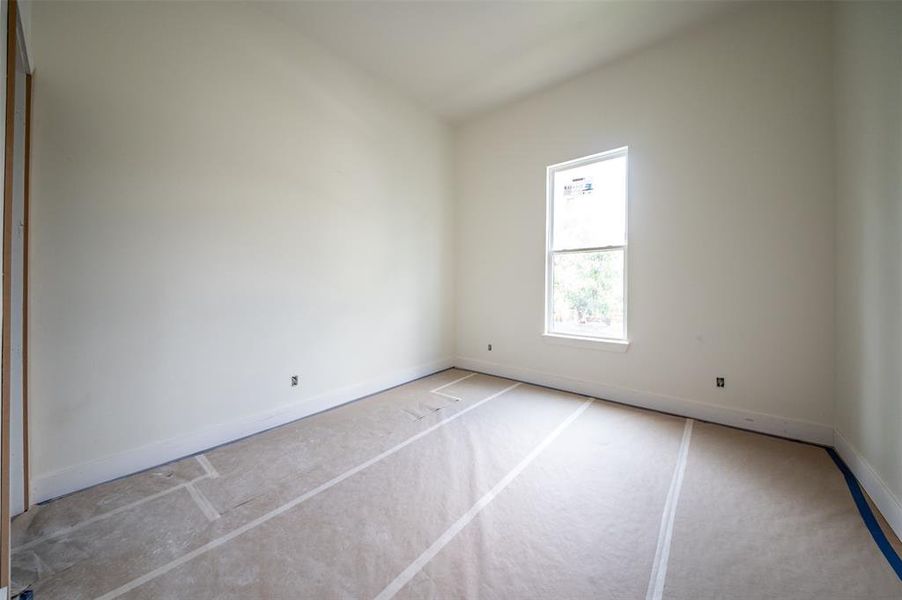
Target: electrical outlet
(294,380)
(490,347)
(720,382)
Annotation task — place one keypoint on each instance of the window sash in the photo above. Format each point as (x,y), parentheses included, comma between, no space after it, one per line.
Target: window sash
(550,322)
(589,249)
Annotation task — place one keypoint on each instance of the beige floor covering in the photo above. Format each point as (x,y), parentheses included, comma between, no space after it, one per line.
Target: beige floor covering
(512,491)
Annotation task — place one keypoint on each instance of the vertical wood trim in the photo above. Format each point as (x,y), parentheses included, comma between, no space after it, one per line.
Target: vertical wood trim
(11,44)
(26,218)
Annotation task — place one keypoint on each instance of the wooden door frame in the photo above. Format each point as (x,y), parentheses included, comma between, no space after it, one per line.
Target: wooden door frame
(12,54)
(5,347)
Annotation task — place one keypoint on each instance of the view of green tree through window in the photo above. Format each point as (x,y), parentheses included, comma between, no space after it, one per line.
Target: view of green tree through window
(586,295)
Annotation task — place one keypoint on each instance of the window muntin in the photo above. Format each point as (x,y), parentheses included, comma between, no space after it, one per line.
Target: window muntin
(586,247)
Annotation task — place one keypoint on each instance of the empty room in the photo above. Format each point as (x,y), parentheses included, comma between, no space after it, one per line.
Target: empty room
(451,299)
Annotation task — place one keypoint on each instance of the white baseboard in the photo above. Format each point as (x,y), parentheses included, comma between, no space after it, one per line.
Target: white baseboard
(887,502)
(85,475)
(805,431)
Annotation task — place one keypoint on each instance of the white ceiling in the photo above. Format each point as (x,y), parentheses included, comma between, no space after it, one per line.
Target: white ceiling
(459,58)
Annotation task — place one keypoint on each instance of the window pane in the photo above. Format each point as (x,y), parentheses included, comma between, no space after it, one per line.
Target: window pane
(590,205)
(587,298)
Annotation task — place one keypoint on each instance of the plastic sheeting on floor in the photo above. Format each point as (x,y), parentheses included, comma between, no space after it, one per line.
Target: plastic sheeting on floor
(484,488)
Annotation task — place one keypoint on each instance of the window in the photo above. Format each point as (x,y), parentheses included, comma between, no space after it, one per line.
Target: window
(586,248)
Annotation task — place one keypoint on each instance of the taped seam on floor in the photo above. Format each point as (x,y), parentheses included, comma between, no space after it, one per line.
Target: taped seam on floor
(449,384)
(215,543)
(106,515)
(444,395)
(211,473)
(208,466)
(437,391)
(417,416)
(662,553)
(417,565)
(202,503)
(867,515)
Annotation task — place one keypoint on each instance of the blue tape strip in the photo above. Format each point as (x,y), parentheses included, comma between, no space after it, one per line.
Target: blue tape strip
(867,515)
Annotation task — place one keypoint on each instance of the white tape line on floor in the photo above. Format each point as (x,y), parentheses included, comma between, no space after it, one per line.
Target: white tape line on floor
(106,515)
(449,396)
(208,467)
(407,574)
(213,544)
(202,503)
(438,391)
(662,553)
(450,383)
(211,473)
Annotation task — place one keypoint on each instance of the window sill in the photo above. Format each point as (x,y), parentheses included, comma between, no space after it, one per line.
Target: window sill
(586,342)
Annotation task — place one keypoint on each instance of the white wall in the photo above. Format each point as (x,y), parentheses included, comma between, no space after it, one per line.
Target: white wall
(218,205)
(24,8)
(17,291)
(869,247)
(731,224)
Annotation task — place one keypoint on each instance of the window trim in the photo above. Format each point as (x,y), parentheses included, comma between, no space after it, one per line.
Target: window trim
(616,344)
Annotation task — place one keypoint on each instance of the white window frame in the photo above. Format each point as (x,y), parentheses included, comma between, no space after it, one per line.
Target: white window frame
(598,343)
